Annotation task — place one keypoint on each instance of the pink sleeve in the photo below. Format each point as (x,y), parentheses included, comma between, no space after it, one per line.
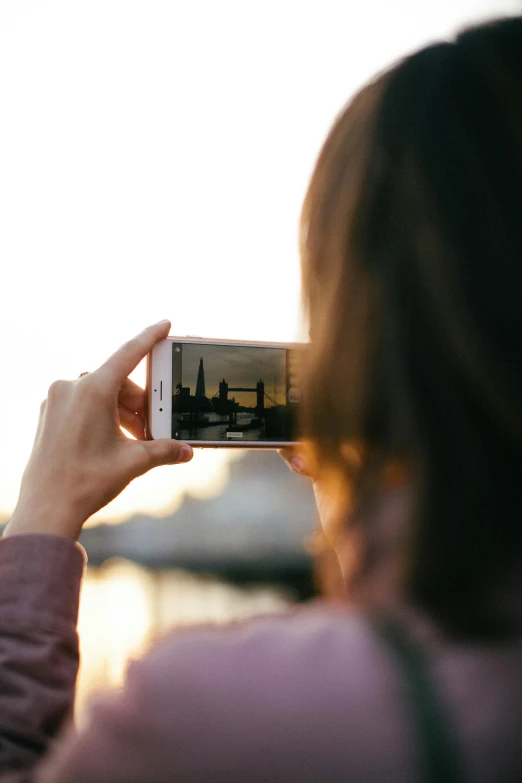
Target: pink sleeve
(40,578)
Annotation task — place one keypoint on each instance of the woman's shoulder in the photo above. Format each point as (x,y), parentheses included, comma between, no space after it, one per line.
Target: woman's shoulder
(319,654)
(316,687)
(306,686)
(270,639)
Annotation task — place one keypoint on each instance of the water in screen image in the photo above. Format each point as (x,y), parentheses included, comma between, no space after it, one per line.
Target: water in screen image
(234,393)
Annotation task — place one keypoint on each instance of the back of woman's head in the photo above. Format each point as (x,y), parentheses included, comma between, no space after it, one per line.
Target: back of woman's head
(412,271)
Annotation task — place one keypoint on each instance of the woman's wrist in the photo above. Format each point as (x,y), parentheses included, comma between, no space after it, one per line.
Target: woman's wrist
(41,516)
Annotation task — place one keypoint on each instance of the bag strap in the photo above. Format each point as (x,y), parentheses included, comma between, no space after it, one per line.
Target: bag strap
(438,754)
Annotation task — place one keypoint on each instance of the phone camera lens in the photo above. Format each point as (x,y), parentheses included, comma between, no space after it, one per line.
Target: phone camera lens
(161,409)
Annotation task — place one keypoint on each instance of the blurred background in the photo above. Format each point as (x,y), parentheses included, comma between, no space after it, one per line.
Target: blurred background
(153,160)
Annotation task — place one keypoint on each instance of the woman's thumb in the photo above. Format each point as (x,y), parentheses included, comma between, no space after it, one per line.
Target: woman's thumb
(165,451)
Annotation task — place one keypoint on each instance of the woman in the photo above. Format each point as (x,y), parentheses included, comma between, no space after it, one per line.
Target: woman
(412,272)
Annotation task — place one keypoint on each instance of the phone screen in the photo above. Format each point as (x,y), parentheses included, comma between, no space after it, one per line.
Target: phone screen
(235,393)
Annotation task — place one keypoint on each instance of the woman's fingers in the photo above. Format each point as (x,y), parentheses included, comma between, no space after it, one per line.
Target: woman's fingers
(132,397)
(295,460)
(114,371)
(132,422)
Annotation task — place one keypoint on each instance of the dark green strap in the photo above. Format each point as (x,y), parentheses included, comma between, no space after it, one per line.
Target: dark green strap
(439,759)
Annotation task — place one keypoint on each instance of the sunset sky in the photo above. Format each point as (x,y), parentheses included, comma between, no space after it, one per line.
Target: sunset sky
(153,160)
(240,366)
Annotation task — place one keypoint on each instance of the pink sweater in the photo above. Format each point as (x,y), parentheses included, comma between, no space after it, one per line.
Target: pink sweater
(313,696)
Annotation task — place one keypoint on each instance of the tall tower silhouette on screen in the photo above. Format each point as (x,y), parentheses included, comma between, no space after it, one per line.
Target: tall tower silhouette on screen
(200,383)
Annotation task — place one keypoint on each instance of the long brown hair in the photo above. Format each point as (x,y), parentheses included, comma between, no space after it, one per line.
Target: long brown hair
(412,279)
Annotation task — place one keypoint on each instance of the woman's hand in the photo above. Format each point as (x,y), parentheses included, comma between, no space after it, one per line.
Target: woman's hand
(299,460)
(296,460)
(81,459)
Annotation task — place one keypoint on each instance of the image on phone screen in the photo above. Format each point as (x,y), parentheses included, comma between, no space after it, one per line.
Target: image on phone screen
(235,393)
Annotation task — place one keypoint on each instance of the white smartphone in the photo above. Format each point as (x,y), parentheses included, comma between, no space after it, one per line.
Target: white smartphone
(224,393)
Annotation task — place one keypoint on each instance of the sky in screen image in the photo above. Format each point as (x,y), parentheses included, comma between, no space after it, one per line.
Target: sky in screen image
(240,366)
(154,156)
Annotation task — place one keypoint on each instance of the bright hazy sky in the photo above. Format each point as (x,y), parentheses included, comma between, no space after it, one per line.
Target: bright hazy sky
(150,153)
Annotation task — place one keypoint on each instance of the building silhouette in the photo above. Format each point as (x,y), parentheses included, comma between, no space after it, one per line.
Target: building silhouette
(259,389)
(200,383)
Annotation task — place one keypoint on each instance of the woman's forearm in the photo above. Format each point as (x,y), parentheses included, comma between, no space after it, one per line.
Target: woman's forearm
(40,579)
(80,461)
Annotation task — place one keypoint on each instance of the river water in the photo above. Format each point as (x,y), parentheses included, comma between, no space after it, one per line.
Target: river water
(125,607)
(218,432)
